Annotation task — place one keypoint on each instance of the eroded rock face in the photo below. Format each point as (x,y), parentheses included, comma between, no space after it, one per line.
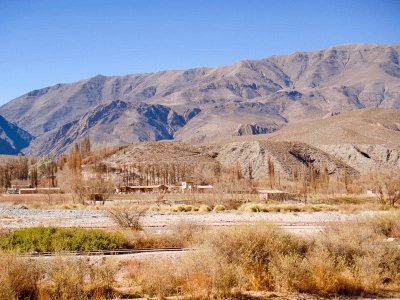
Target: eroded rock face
(288,157)
(365,157)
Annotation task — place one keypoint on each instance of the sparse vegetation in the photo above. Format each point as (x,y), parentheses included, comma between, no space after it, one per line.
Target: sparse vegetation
(264,207)
(59,279)
(229,263)
(44,239)
(264,258)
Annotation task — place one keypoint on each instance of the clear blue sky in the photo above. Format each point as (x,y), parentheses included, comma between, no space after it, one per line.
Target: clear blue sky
(44,42)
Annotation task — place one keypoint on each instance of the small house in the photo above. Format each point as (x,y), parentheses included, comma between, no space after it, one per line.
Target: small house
(272,194)
(204,188)
(160,188)
(187,186)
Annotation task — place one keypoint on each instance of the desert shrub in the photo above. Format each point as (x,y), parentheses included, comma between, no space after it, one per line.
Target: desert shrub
(43,239)
(252,248)
(58,279)
(155,277)
(68,279)
(182,234)
(219,207)
(19,278)
(81,279)
(336,262)
(205,208)
(388,225)
(127,217)
(207,275)
(198,275)
(183,208)
(264,207)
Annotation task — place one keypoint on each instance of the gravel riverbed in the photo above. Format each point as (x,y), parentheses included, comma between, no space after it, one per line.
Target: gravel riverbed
(18,216)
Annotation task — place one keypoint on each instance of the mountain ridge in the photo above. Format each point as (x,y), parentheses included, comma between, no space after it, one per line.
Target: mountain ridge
(247,97)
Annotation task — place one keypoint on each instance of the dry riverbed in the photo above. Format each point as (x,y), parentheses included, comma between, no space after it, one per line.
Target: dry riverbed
(18,216)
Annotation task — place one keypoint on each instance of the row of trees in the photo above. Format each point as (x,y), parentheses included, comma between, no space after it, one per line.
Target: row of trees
(305,179)
(14,170)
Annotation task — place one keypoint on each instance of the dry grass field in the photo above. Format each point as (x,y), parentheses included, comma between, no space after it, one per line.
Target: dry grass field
(245,262)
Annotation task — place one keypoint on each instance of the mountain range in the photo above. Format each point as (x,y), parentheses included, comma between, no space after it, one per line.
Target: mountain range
(204,105)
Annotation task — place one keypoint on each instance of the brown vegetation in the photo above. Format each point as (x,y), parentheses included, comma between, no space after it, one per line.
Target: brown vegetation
(229,263)
(127,217)
(355,260)
(61,278)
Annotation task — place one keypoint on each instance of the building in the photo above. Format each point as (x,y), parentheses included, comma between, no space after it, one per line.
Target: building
(160,188)
(187,186)
(204,188)
(272,194)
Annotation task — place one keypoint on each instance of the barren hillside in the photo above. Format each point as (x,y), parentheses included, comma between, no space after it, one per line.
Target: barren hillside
(364,139)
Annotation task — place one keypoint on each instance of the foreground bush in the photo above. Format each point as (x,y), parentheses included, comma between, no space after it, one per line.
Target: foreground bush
(353,260)
(57,279)
(49,239)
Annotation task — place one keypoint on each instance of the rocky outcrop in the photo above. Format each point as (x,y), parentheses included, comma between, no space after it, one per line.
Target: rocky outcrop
(288,157)
(364,157)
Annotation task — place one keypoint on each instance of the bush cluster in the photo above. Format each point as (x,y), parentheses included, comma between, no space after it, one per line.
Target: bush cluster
(355,259)
(53,239)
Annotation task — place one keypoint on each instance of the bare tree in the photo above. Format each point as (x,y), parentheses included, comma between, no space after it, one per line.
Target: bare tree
(127,218)
(271,172)
(387,187)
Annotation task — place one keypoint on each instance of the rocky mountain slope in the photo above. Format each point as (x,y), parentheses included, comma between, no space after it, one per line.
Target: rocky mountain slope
(116,122)
(364,139)
(248,97)
(12,138)
(287,157)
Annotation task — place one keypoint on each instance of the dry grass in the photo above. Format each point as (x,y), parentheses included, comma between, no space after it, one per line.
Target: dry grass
(358,259)
(62,278)
(183,234)
(38,200)
(264,207)
(355,260)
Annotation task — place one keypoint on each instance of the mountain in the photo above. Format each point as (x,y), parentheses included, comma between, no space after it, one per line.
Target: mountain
(248,97)
(116,122)
(12,138)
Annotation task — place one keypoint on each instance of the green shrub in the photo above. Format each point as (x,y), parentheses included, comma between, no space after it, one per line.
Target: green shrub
(46,239)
